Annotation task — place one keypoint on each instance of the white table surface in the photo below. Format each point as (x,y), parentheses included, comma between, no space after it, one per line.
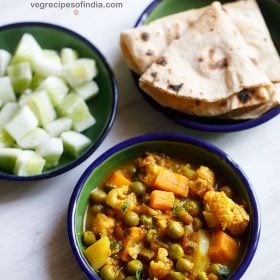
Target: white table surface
(33,237)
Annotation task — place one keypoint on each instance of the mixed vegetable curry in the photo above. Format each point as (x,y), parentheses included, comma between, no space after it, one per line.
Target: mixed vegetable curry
(162,218)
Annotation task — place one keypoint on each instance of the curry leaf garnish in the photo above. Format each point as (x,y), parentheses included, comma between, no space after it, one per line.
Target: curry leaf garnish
(125,206)
(176,209)
(114,244)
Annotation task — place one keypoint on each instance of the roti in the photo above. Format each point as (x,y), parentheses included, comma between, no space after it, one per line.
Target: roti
(143,45)
(210,63)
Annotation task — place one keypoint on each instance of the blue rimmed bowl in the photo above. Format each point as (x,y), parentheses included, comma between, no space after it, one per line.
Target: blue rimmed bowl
(103,106)
(161,8)
(171,144)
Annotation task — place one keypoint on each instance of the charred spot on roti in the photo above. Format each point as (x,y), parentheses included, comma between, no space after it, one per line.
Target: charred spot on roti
(175,88)
(211,52)
(220,64)
(145,36)
(162,61)
(149,53)
(216,59)
(244,96)
(211,29)
(200,59)
(254,60)
(214,17)
(265,39)
(154,74)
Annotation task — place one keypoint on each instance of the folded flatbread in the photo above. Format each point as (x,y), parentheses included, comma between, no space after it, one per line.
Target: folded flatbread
(245,99)
(143,45)
(211,62)
(254,112)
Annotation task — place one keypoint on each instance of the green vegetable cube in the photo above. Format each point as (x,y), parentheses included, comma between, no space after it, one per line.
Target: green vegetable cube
(7,112)
(20,75)
(5,58)
(74,143)
(23,122)
(68,56)
(24,97)
(41,106)
(52,56)
(27,49)
(6,140)
(51,150)
(81,71)
(74,107)
(87,90)
(29,163)
(33,139)
(44,66)
(58,126)
(7,93)
(56,88)
(8,158)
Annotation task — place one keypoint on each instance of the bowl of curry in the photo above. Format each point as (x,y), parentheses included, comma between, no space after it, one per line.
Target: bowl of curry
(163,206)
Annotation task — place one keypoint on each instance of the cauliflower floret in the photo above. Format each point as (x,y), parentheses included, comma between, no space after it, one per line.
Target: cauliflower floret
(103,224)
(228,214)
(120,200)
(133,243)
(205,181)
(161,267)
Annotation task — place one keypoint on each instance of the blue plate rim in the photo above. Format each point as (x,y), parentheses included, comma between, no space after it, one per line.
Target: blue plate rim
(186,120)
(174,137)
(113,110)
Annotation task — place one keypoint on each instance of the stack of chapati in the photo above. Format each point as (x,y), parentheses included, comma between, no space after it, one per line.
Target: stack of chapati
(215,61)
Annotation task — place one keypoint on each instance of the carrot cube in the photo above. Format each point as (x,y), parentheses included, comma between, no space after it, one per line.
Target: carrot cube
(223,248)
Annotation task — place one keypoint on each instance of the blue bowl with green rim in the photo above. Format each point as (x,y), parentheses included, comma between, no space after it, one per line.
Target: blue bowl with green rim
(173,144)
(103,106)
(161,8)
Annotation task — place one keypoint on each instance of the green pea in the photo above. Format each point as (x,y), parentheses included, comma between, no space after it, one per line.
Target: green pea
(98,196)
(189,172)
(138,188)
(88,238)
(147,253)
(175,230)
(151,235)
(202,275)
(146,221)
(131,218)
(197,224)
(175,251)
(108,272)
(174,275)
(97,208)
(184,265)
(193,208)
(134,266)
